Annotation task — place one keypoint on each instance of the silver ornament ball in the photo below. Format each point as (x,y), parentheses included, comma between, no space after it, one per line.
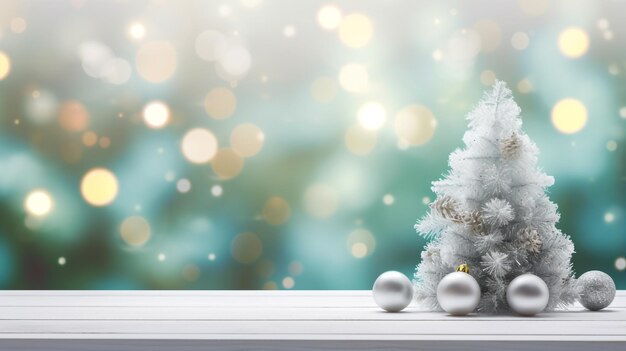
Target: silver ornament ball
(527,294)
(392,291)
(596,290)
(458,293)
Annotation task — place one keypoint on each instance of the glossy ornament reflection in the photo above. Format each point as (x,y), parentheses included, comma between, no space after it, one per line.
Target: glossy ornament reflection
(458,293)
(392,291)
(527,294)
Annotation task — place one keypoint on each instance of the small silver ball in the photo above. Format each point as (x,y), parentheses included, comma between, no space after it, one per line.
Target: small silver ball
(596,290)
(527,294)
(392,291)
(458,293)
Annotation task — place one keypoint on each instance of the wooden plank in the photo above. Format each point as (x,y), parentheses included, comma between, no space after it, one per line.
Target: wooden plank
(269,313)
(178,293)
(289,345)
(216,329)
(207,300)
(278,315)
(324,337)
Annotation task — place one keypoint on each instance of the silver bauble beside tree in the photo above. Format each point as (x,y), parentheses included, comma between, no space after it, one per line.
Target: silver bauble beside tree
(492,213)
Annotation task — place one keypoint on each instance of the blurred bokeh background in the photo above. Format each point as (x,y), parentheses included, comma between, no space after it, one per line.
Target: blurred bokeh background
(256,144)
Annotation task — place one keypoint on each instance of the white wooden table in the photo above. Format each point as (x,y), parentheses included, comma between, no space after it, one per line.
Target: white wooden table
(286,320)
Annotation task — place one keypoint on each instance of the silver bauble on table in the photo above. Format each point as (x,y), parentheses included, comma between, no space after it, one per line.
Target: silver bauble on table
(458,293)
(392,291)
(527,294)
(596,290)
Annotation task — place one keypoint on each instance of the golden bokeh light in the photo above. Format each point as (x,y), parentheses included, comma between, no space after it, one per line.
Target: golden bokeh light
(415,125)
(156,61)
(320,200)
(156,114)
(361,243)
(191,272)
(487,77)
(183,185)
(135,231)
(89,138)
(99,187)
(73,116)
(288,283)
(611,145)
(41,106)
(437,55)
(372,115)
(247,139)
(569,116)
(490,34)
(5,65)
(356,30)
(227,163)
(534,7)
(217,190)
(359,250)
(620,263)
(324,89)
(388,199)
(18,25)
(136,31)
(329,17)
(270,285)
(104,142)
(295,268)
(38,203)
(289,31)
(520,40)
(525,86)
(224,10)
(246,248)
(220,103)
(199,145)
(573,42)
(360,141)
(354,78)
(276,210)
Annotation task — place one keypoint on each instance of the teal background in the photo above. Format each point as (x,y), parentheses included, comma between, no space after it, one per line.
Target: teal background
(304,138)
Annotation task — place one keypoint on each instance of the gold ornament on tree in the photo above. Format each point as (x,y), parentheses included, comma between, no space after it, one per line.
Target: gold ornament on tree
(463,268)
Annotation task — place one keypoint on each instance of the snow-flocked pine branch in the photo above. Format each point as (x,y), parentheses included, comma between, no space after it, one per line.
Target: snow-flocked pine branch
(492,212)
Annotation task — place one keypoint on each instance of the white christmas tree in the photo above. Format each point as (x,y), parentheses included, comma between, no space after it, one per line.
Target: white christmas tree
(492,213)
